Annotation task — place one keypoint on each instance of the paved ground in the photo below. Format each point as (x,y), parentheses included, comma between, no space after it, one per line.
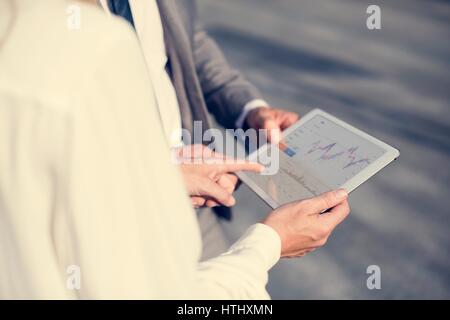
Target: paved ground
(395,84)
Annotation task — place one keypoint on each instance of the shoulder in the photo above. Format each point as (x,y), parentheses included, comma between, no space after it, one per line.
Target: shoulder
(54,45)
(84,32)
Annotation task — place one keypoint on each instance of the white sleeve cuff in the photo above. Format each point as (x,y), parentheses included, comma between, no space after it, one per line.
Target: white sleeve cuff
(263,240)
(253,104)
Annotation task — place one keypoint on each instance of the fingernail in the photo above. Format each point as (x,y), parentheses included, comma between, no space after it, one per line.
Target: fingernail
(341,194)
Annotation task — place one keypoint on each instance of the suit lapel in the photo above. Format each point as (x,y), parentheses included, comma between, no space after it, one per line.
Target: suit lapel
(183,70)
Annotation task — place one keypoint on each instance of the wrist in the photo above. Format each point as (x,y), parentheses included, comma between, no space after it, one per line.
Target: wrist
(276,229)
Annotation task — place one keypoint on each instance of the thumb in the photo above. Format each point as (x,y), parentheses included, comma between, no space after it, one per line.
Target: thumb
(325,201)
(336,215)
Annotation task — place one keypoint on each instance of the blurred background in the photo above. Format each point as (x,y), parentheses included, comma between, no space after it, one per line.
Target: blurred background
(393,83)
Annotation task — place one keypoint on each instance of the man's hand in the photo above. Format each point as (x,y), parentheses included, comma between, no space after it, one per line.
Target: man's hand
(209,176)
(272,119)
(303,227)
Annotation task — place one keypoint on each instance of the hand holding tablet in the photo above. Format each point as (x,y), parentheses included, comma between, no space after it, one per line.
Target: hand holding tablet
(318,154)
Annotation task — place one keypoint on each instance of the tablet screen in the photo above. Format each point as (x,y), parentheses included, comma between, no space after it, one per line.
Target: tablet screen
(318,156)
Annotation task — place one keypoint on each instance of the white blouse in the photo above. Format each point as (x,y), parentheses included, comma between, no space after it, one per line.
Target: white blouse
(90,205)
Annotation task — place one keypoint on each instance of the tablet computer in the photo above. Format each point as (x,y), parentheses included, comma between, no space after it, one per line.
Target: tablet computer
(319,153)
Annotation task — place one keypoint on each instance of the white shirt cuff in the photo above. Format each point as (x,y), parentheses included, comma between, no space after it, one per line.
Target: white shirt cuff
(253,104)
(263,240)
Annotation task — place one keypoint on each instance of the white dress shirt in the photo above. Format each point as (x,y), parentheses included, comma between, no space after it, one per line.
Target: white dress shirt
(88,195)
(147,22)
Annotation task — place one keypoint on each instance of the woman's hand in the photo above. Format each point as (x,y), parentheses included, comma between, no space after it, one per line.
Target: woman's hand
(302,225)
(209,176)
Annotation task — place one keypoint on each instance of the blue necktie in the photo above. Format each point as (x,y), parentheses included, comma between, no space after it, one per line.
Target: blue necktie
(122,9)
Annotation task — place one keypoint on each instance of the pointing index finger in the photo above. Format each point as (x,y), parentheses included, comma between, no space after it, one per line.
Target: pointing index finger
(236,166)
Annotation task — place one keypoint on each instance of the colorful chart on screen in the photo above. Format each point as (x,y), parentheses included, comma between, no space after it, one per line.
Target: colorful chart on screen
(319,154)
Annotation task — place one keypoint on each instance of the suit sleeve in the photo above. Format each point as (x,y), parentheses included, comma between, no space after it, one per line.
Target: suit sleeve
(225,90)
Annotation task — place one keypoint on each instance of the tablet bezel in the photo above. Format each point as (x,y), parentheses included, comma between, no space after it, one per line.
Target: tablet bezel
(390,155)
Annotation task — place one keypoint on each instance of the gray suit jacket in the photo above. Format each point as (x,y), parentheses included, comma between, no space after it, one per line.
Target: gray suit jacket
(203,80)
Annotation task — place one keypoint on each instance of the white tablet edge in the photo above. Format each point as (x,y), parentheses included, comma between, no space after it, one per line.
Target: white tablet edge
(390,155)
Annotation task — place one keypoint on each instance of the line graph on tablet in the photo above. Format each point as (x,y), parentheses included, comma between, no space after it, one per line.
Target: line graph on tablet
(318,154)
(330,152)
(327,153)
